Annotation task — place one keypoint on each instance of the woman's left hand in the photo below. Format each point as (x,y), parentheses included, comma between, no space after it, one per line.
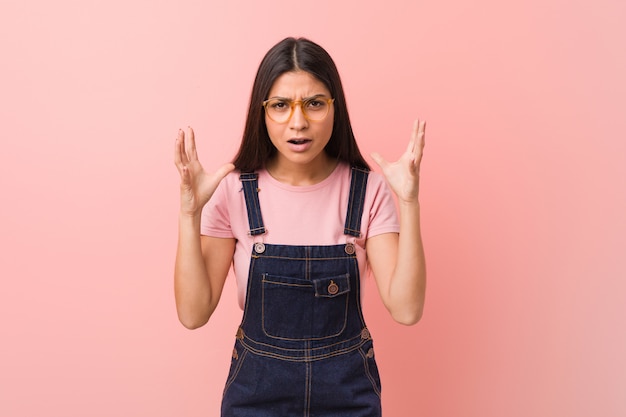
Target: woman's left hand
(403,175)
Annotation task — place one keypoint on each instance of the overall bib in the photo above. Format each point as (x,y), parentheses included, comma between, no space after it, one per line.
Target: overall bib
(302,348)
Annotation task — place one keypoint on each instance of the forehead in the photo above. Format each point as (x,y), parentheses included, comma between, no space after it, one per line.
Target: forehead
(297,84)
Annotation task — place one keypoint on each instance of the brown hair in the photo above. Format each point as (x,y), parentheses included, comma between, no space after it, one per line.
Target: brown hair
(293,54)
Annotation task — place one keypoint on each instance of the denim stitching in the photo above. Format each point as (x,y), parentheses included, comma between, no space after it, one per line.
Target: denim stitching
(260,255)
(308,366)
(308,350)
(349,342)
(358,185)
(360,203)
(355,265)
(238,367)
(368,373)
(263,319)
(250,188)
(247,301)
(305,358)
(350,204)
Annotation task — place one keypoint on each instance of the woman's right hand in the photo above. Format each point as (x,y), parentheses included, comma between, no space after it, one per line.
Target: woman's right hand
(196,185)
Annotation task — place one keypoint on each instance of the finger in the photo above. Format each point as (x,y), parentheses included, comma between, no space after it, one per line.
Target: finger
(179,157)
(183,145)
(380,161)
(421,132)
(224,170)
(421,135)
(221,172)
(411,147)
(185,178)
(177,160)
(419,145)
(191,145)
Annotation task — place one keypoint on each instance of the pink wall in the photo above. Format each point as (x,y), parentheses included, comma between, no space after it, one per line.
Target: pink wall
(523,196)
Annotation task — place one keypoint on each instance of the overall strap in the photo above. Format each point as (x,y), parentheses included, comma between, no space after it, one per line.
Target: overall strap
(358,185)
(250,182)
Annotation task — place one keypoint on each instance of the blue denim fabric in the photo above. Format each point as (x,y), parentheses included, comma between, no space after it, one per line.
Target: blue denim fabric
(303,348)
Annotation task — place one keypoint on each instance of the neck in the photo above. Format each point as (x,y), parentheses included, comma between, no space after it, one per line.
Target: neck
(301,174)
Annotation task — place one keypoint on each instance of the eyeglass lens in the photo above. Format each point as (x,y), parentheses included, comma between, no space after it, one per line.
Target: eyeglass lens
(280,110)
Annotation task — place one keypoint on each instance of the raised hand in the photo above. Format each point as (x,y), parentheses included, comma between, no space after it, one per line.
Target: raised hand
(403,175)
(196,185)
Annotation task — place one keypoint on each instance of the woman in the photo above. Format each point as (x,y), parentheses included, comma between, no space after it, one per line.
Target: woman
(300,217)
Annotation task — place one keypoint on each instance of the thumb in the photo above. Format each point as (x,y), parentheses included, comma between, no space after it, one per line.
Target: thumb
(380,161)
(224,170)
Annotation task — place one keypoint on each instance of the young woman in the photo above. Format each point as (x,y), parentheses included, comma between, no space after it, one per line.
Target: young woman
(300,218)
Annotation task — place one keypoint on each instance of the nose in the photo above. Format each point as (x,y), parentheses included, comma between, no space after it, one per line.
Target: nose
(298,121)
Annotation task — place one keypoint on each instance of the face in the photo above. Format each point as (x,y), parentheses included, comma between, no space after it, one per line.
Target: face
(300,142)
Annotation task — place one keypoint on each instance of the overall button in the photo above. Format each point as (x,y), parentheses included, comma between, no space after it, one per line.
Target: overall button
(333,288)
(236,355)
(349,248)
(365,334)
(259,247)
(239,334)
(370,353)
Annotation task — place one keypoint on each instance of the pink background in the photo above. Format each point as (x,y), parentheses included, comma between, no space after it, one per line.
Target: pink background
(522,190)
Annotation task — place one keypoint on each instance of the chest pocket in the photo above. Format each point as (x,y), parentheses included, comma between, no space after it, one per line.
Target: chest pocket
(299,309)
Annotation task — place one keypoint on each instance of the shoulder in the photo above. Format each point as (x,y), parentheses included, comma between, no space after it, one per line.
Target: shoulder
(376,183)
(226,192)
(230,185)
(379,195)
(376,178)
(345,170)
(231,178)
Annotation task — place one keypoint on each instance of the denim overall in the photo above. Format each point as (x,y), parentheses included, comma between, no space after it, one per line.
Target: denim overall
(302,348)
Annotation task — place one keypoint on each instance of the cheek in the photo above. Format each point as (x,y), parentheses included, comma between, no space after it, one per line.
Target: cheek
(273,131)
(329,125)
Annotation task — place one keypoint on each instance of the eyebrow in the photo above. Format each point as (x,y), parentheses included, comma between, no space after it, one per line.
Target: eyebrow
(303,99)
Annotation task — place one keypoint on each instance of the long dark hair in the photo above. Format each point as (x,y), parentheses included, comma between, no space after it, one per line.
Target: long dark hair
(293,54)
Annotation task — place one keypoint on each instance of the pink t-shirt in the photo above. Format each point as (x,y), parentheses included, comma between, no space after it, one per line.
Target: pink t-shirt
(297,215)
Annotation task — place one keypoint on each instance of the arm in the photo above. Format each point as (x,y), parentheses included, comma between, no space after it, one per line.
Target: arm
(202,263)
(397,261)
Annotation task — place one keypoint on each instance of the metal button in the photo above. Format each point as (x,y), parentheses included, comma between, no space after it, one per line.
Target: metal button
(365,334)
(333,288)
(349,248)
(259,247)
(236,355)
(239,334)
(370,353)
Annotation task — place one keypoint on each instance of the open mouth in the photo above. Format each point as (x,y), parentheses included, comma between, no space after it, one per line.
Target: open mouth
(299,141)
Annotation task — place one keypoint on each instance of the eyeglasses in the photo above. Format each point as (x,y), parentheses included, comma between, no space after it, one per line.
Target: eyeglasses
(313,108)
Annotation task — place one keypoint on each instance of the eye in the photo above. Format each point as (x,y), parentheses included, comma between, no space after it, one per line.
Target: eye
(278,105)
(315,104)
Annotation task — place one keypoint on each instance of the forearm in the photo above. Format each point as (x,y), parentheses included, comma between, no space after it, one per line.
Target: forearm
(407,285)
(398,263)
(191,281)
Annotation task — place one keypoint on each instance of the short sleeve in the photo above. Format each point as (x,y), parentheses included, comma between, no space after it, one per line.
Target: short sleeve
(383,215)
(215,219)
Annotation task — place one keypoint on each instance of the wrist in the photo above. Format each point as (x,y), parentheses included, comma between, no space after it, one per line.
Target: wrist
(189,217)
(412,204)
